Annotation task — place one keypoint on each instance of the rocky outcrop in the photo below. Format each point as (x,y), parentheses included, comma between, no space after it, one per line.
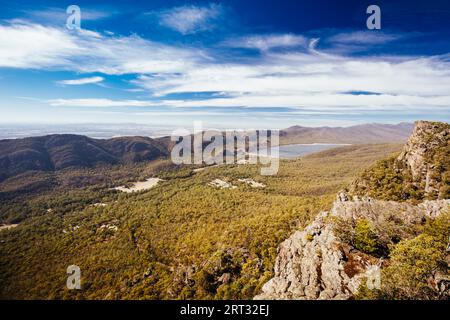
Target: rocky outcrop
(320,263)
(315,264)
(421,171)
(378,211)
(310,265)
(429,141)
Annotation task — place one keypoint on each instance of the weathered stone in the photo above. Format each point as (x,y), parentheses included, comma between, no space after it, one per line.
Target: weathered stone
(225,278)
(415,156)
(315,264)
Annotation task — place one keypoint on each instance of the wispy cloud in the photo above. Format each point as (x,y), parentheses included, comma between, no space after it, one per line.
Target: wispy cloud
(305,72)
(53,15)
(302,77)
(190,19)
(364,37)
(34,46)
(81,81)
(352,42)
(311,80)
(100,103)
(266,42)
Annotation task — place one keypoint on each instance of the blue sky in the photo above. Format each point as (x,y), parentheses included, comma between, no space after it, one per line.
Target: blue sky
(230,64)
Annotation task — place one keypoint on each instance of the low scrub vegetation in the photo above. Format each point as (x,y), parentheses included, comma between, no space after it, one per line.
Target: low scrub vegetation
(418,267)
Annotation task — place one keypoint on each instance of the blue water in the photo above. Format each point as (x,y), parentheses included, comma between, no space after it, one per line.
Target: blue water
(298,150)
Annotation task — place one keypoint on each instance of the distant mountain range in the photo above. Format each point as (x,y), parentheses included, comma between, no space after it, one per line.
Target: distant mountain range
(60,151)
(365,133)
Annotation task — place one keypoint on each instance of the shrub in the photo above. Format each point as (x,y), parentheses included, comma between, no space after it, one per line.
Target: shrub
(365,239)
(414,265)
(414,262)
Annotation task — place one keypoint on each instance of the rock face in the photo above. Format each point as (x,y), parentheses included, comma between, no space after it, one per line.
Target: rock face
(310,265)
(315,264)
(418,155)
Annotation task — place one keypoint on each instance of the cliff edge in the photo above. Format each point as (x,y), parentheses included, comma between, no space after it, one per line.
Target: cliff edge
(369,246)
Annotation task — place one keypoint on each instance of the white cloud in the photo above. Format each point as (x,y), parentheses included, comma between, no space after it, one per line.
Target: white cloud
(315,82)
(82,81)
(53,15)
(305,78)
(312,47)
(267,42)
(304,73)
(190,19)
(364,37)
(100,103)
(324,102)
(33,46)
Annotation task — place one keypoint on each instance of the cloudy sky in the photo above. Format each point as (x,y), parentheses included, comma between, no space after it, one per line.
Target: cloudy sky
(230,64)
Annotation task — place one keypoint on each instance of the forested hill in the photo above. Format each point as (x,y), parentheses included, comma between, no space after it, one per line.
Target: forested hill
(56,152)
